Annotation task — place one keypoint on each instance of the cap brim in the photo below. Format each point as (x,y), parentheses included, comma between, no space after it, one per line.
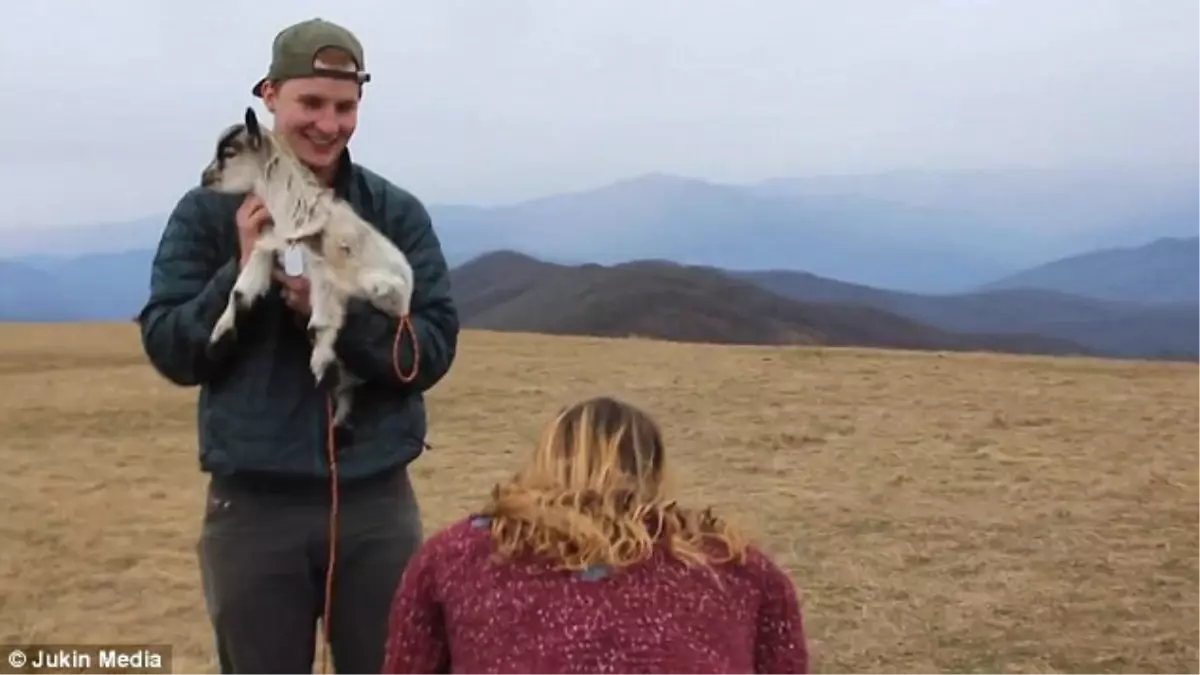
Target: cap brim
(257,90)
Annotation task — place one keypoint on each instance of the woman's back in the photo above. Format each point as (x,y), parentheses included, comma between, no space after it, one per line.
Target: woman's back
(458,609)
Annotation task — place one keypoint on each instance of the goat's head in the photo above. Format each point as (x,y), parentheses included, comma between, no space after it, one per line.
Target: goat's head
(240,158)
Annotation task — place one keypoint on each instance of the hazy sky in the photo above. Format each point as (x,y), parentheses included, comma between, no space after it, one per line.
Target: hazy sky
(111,108)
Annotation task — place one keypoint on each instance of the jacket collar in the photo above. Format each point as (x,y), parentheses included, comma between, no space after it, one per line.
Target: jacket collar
(343,177)
(348,185)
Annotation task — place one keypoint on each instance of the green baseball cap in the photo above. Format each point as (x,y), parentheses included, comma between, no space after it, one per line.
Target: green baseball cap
(294,53)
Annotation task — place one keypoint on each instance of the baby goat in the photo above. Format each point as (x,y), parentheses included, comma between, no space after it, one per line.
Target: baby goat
(344,255)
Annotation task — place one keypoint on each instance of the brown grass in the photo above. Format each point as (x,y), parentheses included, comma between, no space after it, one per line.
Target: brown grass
(938,512)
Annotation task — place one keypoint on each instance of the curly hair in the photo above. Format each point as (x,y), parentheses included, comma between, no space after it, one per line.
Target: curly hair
(594,494)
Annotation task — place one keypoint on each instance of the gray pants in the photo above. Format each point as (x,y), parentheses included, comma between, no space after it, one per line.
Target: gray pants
(263,554)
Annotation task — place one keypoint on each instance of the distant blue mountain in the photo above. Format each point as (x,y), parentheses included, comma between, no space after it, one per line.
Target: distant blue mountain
(28,293)
(922,245)
(1166,270)
(912,231)
(96,287)
(701,223)
(1029,217)
(1106,327)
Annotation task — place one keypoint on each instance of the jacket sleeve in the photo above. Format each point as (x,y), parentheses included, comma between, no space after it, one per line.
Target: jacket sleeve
(190,283)
(416,638)
(781,646)
(372,343)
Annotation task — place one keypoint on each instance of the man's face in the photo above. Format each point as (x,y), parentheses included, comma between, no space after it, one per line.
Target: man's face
(315,115)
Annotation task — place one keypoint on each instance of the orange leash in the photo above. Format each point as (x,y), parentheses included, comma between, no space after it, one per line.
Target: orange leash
(331,451)
(406,322)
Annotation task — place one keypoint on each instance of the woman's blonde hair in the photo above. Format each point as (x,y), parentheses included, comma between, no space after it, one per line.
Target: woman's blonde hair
(594,494)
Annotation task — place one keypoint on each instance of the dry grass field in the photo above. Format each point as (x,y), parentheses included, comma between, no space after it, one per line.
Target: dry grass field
(956,513)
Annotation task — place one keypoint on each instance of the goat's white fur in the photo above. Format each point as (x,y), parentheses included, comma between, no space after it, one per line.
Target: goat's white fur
(344,255)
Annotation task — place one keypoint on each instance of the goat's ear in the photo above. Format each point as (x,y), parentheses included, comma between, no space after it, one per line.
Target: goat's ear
(252,128)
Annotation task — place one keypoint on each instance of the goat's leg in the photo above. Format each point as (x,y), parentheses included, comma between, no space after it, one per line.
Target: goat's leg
(252,283)
(389,293)
(325,320)
(344,393)
(319,320)
(323,354)
(255,279)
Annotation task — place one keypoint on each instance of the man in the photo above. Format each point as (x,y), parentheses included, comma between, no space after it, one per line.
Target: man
(264,425)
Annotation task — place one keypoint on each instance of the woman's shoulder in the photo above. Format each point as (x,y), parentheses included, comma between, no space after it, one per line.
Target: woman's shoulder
(449,552)
(457,537)
(757,569)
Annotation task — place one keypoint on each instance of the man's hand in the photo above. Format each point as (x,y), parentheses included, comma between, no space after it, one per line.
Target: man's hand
(295,292)
(252,215)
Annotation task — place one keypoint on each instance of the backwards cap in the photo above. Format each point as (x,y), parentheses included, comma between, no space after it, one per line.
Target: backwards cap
(294,53)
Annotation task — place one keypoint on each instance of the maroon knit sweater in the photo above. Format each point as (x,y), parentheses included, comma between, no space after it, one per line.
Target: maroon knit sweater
(457,611)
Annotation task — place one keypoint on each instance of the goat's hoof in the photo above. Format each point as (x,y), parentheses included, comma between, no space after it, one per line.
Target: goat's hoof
(220,334)
(321,360)
(320,376)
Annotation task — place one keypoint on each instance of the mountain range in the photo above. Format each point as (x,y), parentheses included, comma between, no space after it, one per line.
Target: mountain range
(916,231)
(916,260)
(508,291)
(1161,272)
(1104,322)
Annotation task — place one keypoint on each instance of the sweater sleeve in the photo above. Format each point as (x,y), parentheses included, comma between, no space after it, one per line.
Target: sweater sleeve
(781,646)
(416,638)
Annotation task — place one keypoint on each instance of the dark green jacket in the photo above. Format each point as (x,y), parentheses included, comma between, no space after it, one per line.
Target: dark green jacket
(259,409)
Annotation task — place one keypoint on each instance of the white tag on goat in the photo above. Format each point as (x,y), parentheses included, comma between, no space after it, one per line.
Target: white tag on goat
(293,261)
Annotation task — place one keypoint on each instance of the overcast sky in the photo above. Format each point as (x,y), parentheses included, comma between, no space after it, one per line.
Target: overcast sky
(111,108)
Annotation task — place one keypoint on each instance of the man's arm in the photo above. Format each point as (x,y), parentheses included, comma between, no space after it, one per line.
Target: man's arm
(374,345)
(190,284)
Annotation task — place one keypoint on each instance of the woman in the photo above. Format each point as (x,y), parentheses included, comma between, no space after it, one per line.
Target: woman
(582,563)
